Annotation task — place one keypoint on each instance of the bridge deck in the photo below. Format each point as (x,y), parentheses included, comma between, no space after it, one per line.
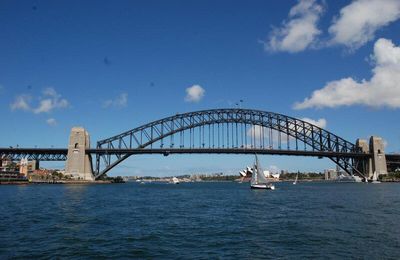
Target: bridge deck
(60,154)
(167,151)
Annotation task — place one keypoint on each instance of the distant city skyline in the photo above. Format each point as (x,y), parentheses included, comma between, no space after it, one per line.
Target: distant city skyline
(110,67)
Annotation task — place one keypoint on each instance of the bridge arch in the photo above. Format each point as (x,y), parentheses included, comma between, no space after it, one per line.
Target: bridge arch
(218,129)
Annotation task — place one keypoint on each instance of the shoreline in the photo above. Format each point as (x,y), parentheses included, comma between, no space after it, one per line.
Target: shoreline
(55,182)
(110,182)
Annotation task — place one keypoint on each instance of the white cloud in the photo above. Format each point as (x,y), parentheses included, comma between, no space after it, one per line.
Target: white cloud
(273,169)
(49,101)
(359,21)
(51,122)
(21,102)
(50,92)
(194,94)
(300,31)
(320,122)
(385,143)
(119,102)
(46,105)
(256,130)
(382,90)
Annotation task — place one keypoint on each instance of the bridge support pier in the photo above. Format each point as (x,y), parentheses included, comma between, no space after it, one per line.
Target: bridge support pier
(79,164)
(377,149)
(364,165)
(378,161)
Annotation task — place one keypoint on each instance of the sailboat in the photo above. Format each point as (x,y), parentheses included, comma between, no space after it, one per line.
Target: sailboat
(297,177)
(258,180)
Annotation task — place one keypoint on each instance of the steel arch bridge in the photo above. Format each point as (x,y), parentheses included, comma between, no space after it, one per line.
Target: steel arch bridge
(227,131)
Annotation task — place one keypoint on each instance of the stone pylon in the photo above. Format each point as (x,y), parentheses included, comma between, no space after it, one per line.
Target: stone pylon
(364,166)
(377,163)
(79,164)
(377,149)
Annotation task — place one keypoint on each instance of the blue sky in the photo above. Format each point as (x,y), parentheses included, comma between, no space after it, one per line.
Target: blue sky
(110,66)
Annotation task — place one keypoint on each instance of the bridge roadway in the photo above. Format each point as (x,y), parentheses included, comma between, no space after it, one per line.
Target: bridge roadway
(393,158)
(393,161)
(60,154)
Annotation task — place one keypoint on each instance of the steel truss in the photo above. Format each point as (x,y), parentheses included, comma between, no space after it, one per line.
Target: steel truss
(38,154)
(219,129)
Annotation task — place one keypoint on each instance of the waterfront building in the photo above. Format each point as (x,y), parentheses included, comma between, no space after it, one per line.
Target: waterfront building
(27,167)
(42,172)
(11,176)
(9,171)
(331,174)
(6,164)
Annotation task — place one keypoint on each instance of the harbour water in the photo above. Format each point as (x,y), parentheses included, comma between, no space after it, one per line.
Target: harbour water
(200,220)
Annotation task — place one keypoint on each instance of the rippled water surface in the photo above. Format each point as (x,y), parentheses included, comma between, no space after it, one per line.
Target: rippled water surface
(200,220)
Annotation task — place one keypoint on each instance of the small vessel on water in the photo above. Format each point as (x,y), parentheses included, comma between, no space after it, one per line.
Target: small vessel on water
(175,180)
(258,180)
(297,177)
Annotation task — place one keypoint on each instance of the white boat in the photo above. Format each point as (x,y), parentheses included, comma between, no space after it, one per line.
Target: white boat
(297,177)
(375,178)
(344,177)
(357,178)
(175,180)
(258,180)
(242,173)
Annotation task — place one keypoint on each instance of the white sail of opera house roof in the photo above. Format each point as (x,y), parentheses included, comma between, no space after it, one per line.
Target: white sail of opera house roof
(268,174)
